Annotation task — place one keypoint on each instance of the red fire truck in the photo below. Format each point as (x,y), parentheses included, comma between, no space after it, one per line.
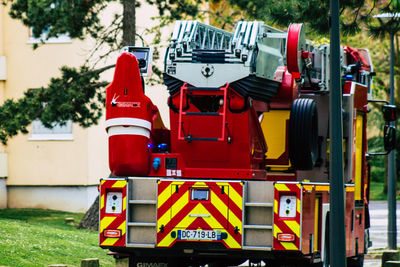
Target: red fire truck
(242,173)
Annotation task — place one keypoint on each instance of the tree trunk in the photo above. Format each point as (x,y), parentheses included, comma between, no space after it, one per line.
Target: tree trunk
(91,218)
(129,23)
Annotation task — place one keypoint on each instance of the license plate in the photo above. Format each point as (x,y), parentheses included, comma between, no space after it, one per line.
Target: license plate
(199,235)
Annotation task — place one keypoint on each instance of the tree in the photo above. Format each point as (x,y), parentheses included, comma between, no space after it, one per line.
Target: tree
(81,91)
(315,13)
(78,94)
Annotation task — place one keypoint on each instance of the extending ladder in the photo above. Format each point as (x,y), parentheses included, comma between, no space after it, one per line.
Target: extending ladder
(189,35)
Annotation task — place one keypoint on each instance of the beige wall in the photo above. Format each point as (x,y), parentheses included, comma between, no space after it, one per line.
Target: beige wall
(74,199)
(83,160)
(47,162)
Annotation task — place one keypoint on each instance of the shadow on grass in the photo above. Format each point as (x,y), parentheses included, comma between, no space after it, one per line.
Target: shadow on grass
(39,215)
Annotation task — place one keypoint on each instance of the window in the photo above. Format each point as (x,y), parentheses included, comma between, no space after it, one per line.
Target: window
(61,39)
(58,132)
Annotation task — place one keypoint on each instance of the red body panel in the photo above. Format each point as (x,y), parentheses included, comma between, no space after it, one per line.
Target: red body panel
(128,118)
(242,157)
(287,225)
(112,221)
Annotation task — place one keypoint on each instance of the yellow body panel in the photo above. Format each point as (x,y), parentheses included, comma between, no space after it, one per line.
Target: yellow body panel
(316,223)
(273,126)
(208,217)
(358,163)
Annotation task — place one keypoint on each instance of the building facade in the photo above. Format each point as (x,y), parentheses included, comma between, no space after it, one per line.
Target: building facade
(55,168)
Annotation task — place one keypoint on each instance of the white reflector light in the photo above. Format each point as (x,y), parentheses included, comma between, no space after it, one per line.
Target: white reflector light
(286,237)
(112,233)
(114,202)
(287,206)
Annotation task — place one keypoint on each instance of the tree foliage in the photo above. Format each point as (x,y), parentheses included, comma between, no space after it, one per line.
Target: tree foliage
(77,94)
(355,14)
(75,17)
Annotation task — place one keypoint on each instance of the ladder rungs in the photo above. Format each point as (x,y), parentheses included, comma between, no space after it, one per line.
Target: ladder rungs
(142,224)
(258,204)
(148,202)
(203,113)
(256,248)
(257,227)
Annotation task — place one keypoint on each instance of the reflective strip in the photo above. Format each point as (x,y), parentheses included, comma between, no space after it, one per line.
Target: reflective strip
(102,201)
(322,188)
(109,241)
(289,246)
(287,225)
(308,187)
(124,204)
(112,222)
(282,187)
(119,184)
(294,226)
(350,189)
(130,130)
(298,205)
(174,212)
(128,122)
(106,221)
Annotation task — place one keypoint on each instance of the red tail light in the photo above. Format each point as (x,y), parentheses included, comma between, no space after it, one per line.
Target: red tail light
(286,237)
(112,233)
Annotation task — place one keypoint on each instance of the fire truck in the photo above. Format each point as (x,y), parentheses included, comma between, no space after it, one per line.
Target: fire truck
(242,173)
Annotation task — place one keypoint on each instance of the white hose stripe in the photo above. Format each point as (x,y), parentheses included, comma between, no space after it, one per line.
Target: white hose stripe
(128,122)
(130,130)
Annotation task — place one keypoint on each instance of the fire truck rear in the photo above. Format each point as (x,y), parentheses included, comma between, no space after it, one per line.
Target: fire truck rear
(243,171)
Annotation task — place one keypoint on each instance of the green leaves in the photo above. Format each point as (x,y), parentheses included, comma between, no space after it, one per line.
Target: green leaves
(55,17)
(77,95)
(355,14)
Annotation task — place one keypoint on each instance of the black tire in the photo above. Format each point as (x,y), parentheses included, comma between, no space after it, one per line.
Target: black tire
(303,134)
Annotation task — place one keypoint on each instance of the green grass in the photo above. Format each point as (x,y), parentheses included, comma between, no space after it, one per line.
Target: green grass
(376,191)
(36,237)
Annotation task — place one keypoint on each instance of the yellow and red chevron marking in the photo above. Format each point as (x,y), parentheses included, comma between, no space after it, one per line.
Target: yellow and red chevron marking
(109,220)
(287,225)
(223,211)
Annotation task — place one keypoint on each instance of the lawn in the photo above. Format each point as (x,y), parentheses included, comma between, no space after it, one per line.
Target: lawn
(36,237)
(376,192)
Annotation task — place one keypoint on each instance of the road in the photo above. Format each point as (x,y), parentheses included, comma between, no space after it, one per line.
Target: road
(379,224)
(378,230)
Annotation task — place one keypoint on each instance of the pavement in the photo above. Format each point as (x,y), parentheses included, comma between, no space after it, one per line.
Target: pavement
(379,223)
(372,263)
(378,231)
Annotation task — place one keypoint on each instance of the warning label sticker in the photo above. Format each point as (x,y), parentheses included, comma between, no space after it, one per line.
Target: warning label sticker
(128,104)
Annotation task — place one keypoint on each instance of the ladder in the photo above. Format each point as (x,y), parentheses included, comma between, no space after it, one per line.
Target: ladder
(189,35)
(202,91)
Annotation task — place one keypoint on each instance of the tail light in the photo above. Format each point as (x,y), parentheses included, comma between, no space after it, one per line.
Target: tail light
(112,233)
(286,237)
